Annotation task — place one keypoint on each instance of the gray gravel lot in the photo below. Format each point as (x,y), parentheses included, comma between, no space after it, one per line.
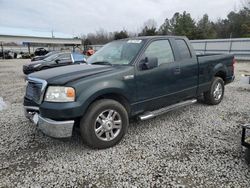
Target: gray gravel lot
(195,146)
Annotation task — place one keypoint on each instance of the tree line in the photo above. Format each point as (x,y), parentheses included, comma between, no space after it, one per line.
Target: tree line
(236,25)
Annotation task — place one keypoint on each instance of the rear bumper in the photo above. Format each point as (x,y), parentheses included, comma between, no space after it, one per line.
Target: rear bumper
(52,128)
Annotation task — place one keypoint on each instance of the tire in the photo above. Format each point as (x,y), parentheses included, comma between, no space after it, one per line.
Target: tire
(217,86)
(97,125)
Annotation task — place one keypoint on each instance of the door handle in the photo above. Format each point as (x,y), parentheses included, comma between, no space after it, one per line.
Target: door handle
(177,70)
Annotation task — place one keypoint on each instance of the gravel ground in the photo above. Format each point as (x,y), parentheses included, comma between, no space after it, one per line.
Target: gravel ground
(194,146)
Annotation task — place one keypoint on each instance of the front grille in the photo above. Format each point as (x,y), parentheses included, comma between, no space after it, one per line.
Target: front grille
(34,91)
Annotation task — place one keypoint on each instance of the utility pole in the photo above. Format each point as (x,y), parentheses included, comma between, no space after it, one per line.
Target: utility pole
(52,33)
(2,50)
(29,48)
(231,42)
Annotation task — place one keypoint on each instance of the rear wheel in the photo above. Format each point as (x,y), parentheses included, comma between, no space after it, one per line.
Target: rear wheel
(216,92)
(104,124)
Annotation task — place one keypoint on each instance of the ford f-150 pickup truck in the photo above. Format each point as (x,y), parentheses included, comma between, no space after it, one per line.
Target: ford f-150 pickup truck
(141,77)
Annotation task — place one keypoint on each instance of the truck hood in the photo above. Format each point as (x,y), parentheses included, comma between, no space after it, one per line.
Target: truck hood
(66,74)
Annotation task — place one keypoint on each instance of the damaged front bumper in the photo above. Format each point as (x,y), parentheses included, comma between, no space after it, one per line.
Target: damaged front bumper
(52,128)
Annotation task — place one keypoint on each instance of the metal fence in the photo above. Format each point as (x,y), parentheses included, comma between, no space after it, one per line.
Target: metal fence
(240,47)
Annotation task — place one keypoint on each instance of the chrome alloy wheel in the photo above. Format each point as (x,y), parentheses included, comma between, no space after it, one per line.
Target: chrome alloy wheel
(218,91)
(108,125)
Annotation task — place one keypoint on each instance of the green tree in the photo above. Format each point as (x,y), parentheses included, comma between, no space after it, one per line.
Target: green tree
(165,28)
(205,28)
(222,28)
(183,24)
(121,35)
(149,28)
(239,23)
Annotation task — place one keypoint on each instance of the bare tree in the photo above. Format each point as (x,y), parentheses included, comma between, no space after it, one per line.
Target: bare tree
(246,3)
(149,28)
(150,23)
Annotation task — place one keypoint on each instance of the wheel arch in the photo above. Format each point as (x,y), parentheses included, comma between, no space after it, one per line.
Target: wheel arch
(222,74)
(117,96)
(220,70)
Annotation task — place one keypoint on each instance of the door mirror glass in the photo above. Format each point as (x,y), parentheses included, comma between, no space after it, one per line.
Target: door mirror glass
(149,63)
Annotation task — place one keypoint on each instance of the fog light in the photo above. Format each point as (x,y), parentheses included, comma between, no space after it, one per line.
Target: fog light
(245,140)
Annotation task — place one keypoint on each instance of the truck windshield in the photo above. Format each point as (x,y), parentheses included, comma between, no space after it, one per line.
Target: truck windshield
(117,53)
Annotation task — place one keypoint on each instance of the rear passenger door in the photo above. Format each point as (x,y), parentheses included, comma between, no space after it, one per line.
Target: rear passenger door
(188,81)
(156,87)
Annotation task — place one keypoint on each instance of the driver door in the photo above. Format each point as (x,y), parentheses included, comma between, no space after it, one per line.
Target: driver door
(156,87)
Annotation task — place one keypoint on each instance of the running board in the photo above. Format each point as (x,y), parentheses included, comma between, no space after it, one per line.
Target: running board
(149,115)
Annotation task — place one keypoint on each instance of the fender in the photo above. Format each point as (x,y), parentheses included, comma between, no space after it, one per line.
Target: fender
(117,87)
(219,68)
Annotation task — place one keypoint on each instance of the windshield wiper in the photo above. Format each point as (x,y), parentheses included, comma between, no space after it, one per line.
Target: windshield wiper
(101,63)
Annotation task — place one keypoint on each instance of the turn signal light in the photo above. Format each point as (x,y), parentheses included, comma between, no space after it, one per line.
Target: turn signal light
(70,92)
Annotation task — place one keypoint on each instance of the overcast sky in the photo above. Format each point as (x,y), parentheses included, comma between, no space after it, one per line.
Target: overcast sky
(77,17)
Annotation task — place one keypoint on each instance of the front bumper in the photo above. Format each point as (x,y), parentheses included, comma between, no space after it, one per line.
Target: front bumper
(52,128)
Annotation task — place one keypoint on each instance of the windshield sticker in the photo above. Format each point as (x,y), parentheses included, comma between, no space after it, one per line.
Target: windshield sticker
(134,41)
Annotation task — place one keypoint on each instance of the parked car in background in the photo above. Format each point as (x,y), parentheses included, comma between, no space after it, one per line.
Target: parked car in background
(40,52)
(141,77)
(55,60)
(37,58)
(7,54)
(26,55)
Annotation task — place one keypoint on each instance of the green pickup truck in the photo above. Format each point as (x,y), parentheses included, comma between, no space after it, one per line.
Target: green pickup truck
(140,78)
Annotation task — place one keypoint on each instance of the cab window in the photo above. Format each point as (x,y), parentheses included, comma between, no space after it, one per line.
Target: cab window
(183,49)
(161,50)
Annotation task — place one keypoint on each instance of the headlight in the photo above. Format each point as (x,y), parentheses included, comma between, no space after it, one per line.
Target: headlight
(35,66)
(60,94)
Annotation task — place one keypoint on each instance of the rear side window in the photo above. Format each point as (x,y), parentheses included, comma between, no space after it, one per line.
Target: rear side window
(162,50)
(183,48)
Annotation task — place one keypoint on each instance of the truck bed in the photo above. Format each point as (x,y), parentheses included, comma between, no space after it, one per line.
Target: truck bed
(208,63)
(209,58)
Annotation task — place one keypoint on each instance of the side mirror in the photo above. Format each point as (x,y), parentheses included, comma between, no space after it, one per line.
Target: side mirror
(57,61)
(149,63)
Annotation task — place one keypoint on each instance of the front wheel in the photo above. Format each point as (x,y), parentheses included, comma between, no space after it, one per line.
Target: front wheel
(104,124)
(216,92)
